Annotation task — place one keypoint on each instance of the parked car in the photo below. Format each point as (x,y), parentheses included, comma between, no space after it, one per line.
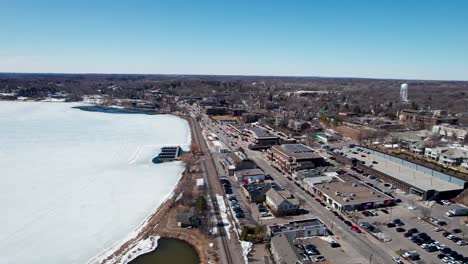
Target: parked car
(390,225)
(335,245)
(397,260)
(456,230)
(400,230)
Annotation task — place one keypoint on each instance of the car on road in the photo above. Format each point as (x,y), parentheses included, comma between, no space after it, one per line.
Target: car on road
(461,242)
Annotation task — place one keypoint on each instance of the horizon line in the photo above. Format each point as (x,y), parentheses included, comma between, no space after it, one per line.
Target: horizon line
(240,75)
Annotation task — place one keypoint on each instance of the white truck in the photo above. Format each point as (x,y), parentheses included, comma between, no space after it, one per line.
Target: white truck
(457,212)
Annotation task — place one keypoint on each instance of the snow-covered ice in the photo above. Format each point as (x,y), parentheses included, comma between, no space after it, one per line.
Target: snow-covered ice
(75,183)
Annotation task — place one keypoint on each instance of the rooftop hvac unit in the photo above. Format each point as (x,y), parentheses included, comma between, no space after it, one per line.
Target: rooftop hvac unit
(352,194)
(337,193)
(345,199)
(372,192)
(354,184)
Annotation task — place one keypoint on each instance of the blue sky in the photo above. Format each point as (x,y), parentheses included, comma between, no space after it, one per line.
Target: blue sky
(388,39)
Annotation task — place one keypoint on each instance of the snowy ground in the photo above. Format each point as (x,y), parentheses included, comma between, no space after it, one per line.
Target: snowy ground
(75,183)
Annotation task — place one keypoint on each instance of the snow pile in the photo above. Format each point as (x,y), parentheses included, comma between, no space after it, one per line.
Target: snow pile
(246,248)
(224,218)
(329,239)
(68,188)
(142,247)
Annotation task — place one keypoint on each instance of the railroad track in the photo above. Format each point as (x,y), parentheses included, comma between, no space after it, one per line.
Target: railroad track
(211,186)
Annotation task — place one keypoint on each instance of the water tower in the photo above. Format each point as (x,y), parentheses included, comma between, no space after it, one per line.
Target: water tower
(404,92)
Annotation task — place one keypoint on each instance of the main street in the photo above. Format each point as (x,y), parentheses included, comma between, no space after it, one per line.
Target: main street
(368,247)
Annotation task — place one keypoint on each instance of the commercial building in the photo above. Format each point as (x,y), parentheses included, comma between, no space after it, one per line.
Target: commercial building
(260,138)
(215,110)
(256,192)
(249,175)
(347,194)
(299,229)
(237,161)
(284,252)
(294,157)
(435,117)
(225,119)
(282,202)
(408,176)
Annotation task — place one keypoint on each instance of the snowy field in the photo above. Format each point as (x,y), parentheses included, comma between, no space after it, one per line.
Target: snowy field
(74,183)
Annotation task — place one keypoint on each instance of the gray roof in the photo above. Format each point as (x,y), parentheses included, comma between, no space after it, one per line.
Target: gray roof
(261,133)
(284,251)
(280,196)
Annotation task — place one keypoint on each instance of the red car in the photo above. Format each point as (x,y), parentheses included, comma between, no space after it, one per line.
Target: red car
(365,213)
(355,229)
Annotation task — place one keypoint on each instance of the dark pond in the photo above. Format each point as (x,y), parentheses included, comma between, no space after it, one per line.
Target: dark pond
(170,250)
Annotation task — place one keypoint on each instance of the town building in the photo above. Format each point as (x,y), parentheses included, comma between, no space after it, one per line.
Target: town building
(289,158)
(260,138)
(348,194)
(435,117)
(411,177)
(237,161)
(298,125)
(249,175)
(225,119)
(284,252)
(450,131)
(282,202)
(215,110)
(299,229)
(326,137)
(168,154)
(256,192)
(447,156)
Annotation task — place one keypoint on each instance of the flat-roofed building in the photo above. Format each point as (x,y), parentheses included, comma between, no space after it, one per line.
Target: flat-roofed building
(282,202)
(347,194)
(261,138)
(237,161)
(413,178)
(294,157)
(225,119)
(299,229)
(249,175)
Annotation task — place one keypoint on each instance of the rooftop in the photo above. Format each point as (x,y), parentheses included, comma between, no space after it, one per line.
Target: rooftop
(261,133)
(405,174)
(249,172)
(348,190)
(295,225)
(300,151)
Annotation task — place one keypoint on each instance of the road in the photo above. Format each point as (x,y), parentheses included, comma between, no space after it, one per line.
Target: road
(230,251)
(367,246)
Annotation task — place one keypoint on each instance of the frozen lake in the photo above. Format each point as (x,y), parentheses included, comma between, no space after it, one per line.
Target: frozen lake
(74,183)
